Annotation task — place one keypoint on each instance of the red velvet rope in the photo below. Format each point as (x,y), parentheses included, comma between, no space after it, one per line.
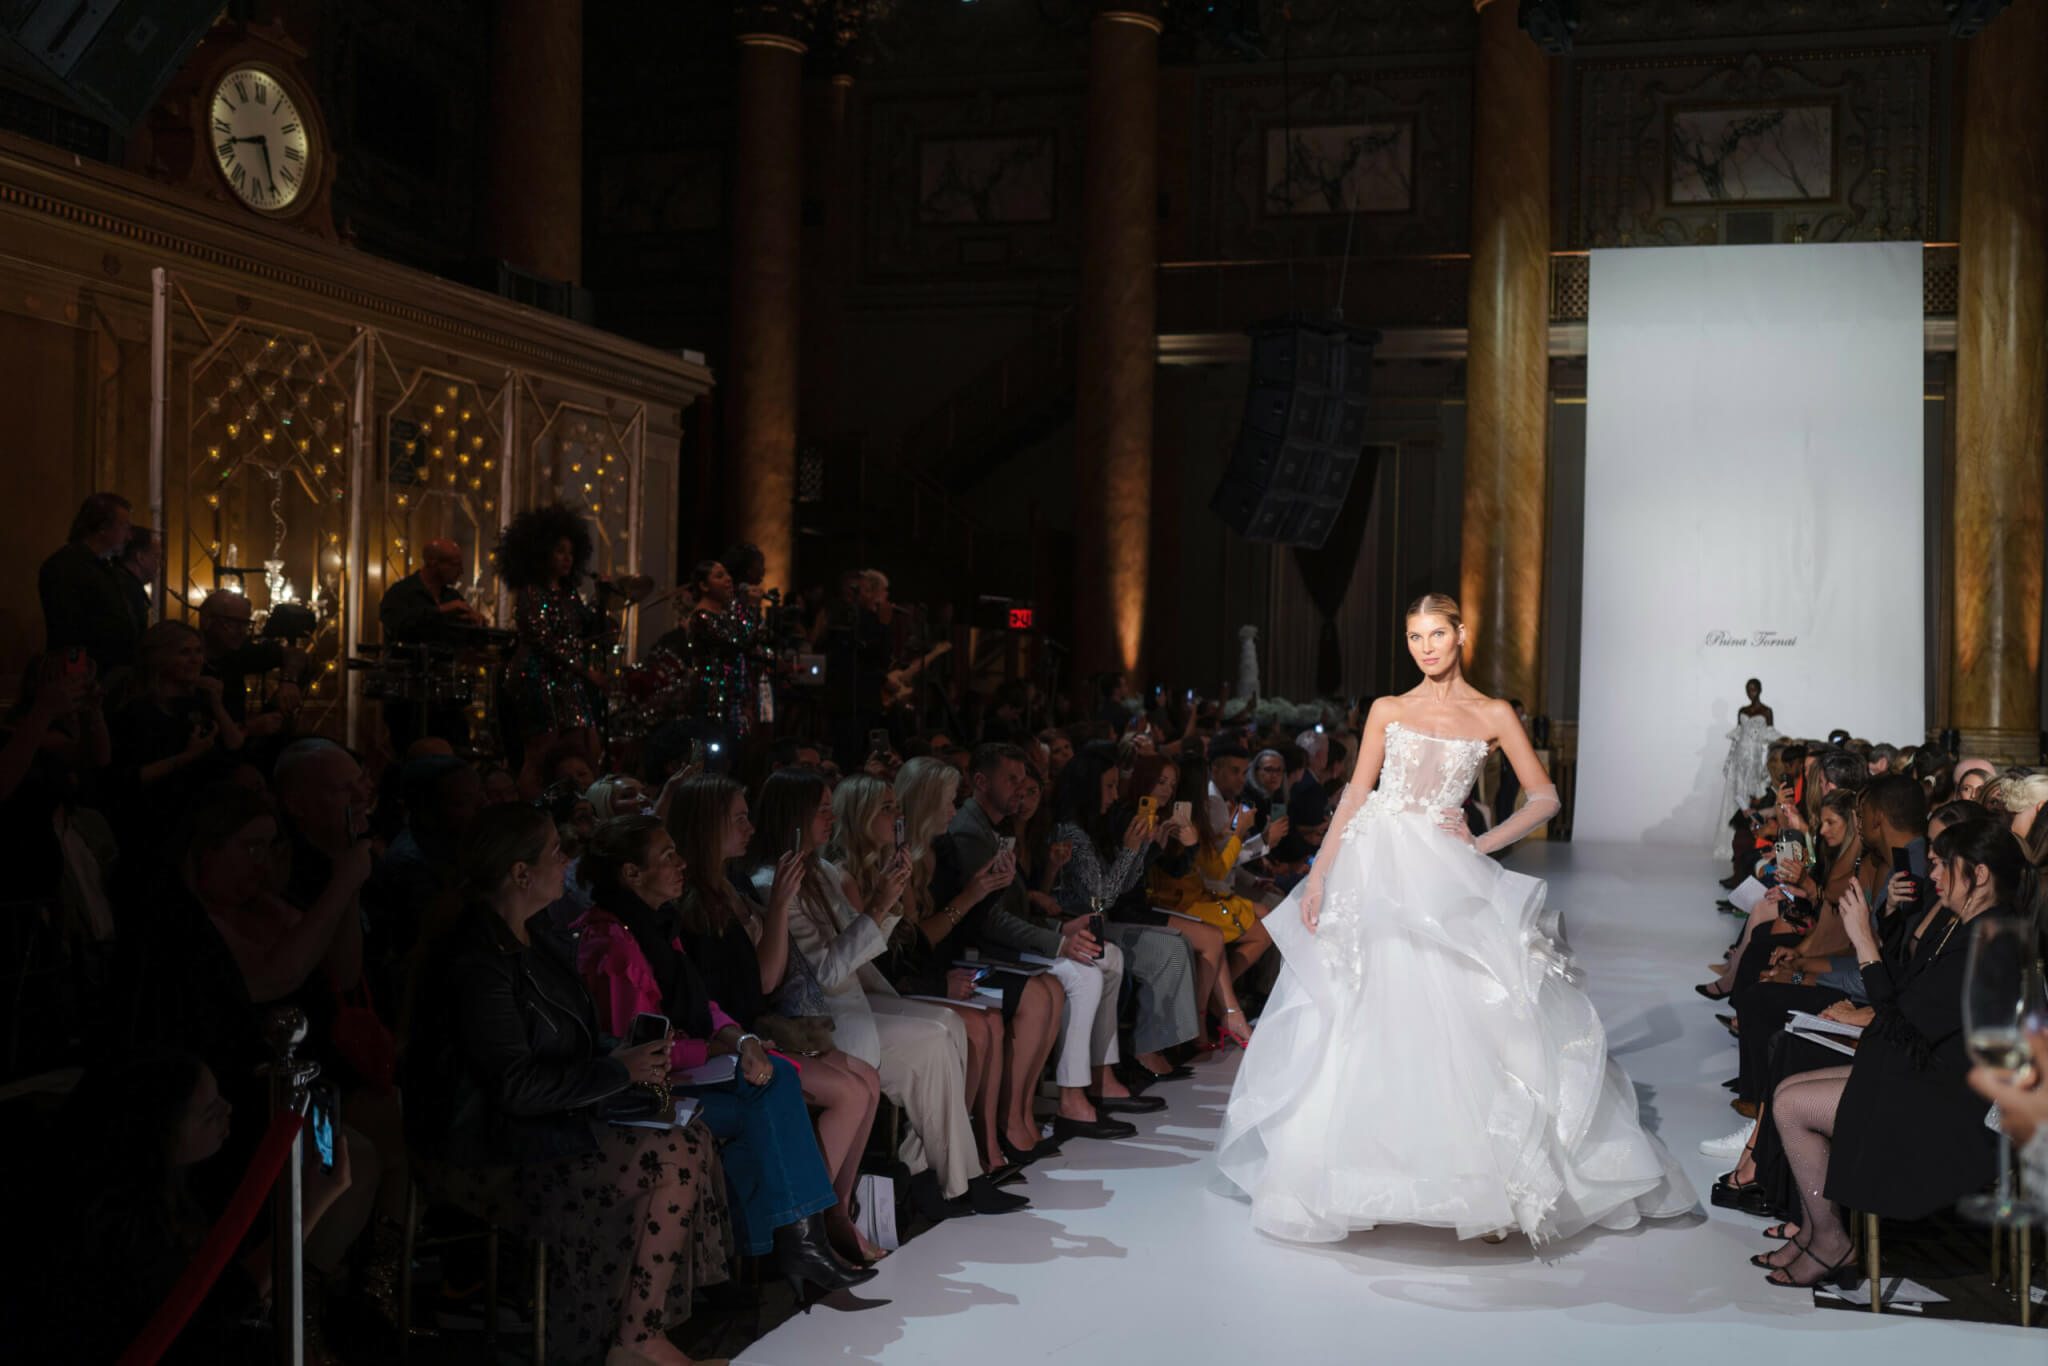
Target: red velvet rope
(197,1282)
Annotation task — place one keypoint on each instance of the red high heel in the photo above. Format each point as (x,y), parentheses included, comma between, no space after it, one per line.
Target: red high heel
(1231,1035)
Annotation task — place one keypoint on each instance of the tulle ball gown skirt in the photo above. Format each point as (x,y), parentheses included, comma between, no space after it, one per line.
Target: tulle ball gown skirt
(1428,1057)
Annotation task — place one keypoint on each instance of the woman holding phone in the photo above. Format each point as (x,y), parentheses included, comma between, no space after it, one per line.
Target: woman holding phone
(631,959)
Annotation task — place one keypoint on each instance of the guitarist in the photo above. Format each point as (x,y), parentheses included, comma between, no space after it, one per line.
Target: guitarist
(859,651)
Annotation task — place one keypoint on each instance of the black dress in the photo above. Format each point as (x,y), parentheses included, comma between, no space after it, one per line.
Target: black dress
(1909,1134)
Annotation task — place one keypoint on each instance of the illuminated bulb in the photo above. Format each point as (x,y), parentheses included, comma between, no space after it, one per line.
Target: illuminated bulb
(435,452)
(451,476)
(462,459)
(452,433)
(401,500)
(451,391)
(304,349)
(477,442)
(304,445)
(319,471)
(336,448)
(398,544)
(270,391)
(213,403)
(334,538)
(270,345)
(476,483)
(586,488)
(330,666)
(234,429)
(438,410)
(213,452)
(465,414)
(489,505)
(196,596)
(234,383)
(576,468)
(213,500)
(490,464)
(269,435)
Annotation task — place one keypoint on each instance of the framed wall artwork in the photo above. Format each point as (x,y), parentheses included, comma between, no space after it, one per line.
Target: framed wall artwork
(1343,168)
(969,182)
(1777,153)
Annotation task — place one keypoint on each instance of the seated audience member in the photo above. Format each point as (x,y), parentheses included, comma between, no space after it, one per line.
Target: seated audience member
(615,795)
(84,605)
(1206,891)
(171,738)
(509,1081)
(132,1215)
(231,657)
(930,1059)
(566,763)
(1970,777)
(1039,857)
(1268,776)
(631,961)
(500,786)
(2022,1101)
(1898,1132)
(2015,799)
(1059,752)
(413,886)
(1113,844)
(55,744)
(748,960)
(924,948)
(1090,972)
(1234,804)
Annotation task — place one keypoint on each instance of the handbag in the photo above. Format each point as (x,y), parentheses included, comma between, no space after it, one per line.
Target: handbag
(362,1040)
(799,1021)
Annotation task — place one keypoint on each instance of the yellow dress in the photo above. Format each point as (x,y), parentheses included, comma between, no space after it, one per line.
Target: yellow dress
(1197,893)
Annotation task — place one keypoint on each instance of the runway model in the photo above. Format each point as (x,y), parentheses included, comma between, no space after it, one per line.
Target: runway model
(1428,1056)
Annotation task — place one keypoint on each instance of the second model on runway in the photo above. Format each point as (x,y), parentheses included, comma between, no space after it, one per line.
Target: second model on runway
(1428,1056)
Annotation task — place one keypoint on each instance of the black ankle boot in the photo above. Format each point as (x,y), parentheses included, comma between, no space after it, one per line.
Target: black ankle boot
(803,1254)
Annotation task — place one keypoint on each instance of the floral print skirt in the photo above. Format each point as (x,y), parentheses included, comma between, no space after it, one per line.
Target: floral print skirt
(585,1210)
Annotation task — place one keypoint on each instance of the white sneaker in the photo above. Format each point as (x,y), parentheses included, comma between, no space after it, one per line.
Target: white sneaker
(1732,1145)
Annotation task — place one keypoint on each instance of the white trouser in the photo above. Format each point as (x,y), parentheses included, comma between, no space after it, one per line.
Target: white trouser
(924,1069)
(1088,1029)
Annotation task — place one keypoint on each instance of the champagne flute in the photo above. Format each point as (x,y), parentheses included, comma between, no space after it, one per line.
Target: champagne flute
(2002,994)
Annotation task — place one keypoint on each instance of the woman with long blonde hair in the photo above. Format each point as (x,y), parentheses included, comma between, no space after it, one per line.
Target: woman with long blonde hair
(867,852)
(1427,1056)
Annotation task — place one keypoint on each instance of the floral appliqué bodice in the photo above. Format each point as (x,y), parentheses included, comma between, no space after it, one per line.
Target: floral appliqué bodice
(1421,774)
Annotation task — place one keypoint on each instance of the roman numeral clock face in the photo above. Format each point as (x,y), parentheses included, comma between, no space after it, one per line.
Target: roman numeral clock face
(261,142)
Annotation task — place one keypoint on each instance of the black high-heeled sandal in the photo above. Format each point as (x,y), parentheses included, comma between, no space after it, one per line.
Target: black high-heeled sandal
(1843,1275)
(804,1256)
(1776,1232)
(1710,994)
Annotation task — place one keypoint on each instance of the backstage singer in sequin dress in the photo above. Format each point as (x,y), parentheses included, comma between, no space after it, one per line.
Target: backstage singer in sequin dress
(552,689)
(1428,1056)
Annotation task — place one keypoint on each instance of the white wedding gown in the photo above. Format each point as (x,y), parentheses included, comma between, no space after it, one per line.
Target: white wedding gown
(1428,1056)
(1745,773)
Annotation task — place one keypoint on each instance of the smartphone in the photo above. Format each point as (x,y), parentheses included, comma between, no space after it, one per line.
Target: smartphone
(76,662)
(1184,812)
(647,1028)
(979,973)
(320,1107)
(878,742)
(1191,694)
(1006,844)
(1277,812)
(1096,927)
(697,753)
(796,838)
(899,832)
(1901,863)
(348,823)
(1145,808)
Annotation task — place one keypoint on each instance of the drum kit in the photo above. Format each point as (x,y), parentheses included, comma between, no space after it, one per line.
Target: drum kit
(431,675)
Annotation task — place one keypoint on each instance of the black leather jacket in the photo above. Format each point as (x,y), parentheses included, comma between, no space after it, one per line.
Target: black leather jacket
(506,1062)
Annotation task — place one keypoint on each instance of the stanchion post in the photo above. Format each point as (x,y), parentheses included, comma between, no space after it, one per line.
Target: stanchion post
(284,1030)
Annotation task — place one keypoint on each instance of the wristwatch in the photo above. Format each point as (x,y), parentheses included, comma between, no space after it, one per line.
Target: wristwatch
(1798,979)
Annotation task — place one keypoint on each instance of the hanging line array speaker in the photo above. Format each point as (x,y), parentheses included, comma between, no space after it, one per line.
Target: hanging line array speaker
(1303,432)
(112,57)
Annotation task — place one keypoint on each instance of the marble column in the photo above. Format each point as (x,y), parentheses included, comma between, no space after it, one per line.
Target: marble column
(2001,388)
(761,375)
(533,203)
(832,198)
(1507,364)
(1115,326)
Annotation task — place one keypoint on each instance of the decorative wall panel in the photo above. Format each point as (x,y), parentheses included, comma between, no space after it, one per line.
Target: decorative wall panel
(1417,199)
(1828,146)
(1656,21)
(977,182)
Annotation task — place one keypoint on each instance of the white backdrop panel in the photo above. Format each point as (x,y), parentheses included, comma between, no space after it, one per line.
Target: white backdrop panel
(1753,509)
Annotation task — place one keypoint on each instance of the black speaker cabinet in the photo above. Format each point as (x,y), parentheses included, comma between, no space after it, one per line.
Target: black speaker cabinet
(1304,426)
(113,56)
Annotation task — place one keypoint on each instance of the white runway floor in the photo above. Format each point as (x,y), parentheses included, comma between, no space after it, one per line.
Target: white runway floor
(1127,1258)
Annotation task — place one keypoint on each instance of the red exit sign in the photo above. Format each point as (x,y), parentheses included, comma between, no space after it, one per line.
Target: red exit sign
(1020,618)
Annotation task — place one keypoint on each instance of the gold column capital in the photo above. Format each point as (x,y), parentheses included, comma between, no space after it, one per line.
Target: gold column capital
(777,40)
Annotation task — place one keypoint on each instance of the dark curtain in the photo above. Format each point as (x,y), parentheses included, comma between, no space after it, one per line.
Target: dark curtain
(1327,572)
